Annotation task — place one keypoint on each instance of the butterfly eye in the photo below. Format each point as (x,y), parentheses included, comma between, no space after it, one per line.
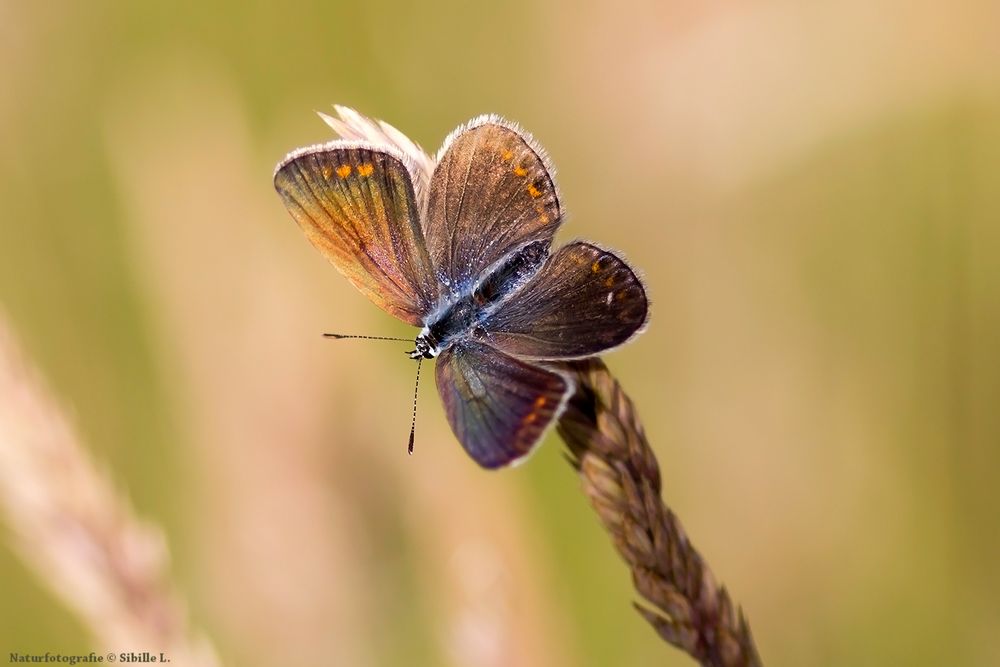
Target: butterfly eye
(479,333)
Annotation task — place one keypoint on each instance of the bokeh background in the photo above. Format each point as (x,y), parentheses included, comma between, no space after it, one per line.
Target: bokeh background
(811,189)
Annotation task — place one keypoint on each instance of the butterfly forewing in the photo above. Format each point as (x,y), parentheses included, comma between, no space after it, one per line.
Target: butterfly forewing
(583,301)
(490,193)
(357,206)
(498,406)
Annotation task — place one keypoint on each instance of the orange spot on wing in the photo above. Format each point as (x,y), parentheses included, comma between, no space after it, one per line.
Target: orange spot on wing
(595,267)
(327,172)
(530,417)
(540,401)
(344,170)
(543,218)
(609,282)
(534,192)
(507,155)
(365,170)
(520,171)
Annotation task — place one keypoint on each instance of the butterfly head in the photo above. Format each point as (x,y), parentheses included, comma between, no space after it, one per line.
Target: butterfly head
(426,346)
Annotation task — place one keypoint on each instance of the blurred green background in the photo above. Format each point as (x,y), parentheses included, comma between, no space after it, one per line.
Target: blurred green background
(811,189)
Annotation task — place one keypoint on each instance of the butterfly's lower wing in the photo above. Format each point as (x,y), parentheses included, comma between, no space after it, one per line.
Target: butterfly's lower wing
(499,407)
(583,301)
(356,204)
(491,192)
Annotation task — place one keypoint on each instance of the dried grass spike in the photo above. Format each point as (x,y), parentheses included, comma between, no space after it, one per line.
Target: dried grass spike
(79,534)
(621,477)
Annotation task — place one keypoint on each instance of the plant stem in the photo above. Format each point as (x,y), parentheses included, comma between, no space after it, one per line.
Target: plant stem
(621,477)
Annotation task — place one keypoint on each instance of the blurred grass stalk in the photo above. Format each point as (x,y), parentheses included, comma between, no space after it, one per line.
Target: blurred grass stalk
(77,532)
(622,479)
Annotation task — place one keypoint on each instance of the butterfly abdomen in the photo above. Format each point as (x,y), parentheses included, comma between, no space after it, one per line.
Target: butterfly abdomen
(510,273)
(462,317)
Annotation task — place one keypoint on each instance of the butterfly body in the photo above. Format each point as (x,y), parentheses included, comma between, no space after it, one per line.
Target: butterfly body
(461,246)
(462,314)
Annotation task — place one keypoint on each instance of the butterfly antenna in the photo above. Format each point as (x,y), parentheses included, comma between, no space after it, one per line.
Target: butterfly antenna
(343,336)
(413,420)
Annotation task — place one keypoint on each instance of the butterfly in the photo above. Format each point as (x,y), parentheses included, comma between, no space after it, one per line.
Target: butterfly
(461,246)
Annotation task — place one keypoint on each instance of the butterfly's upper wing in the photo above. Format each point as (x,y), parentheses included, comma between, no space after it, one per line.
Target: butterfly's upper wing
(583,301)
(499,407)
(490,193)
(356,204)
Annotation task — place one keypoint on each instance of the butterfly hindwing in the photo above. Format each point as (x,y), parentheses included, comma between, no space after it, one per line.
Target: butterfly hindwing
(490,193)
(357,206)
(583,301)
(498,406)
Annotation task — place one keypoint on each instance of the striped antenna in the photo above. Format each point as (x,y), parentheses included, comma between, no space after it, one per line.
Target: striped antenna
(413,419)
(343,336)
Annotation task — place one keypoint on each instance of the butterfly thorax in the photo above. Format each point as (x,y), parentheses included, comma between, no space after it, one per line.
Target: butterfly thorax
(460,315)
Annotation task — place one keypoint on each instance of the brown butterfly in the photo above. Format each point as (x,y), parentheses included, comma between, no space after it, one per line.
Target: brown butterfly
(461,246)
